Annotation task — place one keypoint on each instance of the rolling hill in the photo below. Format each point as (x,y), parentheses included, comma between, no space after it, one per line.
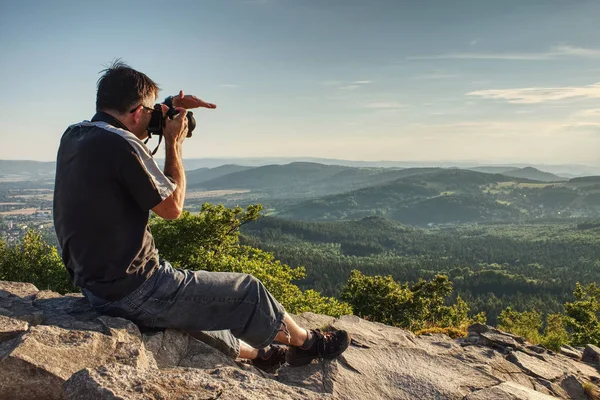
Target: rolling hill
(533,174)
(299,181)
(430,196)
(196,177)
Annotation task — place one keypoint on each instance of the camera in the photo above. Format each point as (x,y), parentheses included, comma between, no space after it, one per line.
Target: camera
(157,121)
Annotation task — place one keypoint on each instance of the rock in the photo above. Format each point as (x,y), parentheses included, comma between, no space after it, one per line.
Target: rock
(508,391)
(11,328)
(492,339)
(539,349)
(37,364)
(58,347)
(16,302)
(591,354)
(571,352)
(494,363)
(478,328)
(71,311)
(397,365)
(173,348)
(534,366)
(17,289)
(573,387)
(122,382)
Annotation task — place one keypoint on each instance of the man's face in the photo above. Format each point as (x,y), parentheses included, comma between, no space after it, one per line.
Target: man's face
(147,112)
(142,117)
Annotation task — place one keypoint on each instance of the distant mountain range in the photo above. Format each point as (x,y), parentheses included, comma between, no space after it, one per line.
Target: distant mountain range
(36,169)
(527,173)
(417,196)
(563,170)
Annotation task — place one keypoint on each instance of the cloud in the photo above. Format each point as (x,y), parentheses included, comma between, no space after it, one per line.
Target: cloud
(349,87)
(362,82)
(385,105)
(556,52)
(473,42)
(227,85)
(595,112)
(539,95)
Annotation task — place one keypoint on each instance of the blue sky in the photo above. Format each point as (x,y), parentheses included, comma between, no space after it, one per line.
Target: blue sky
(487,81)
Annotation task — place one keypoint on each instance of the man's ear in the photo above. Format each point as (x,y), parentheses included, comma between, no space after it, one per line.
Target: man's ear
(137,115)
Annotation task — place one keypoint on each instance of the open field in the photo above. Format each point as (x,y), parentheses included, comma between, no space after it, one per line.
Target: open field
(24,211)
(44,196)
(213,193)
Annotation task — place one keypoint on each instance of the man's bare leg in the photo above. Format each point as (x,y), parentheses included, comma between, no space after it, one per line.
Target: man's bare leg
(247,351)
(291,333)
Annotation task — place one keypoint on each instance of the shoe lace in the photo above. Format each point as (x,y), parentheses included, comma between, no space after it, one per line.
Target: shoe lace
(322,341)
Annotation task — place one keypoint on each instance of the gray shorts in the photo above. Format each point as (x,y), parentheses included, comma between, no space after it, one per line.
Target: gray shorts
(220,307)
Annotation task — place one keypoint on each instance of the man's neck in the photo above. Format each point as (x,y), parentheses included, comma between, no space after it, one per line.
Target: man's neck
(111,118)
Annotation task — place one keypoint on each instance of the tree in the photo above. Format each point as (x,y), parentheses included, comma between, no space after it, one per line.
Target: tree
(33,260)
(210,241)
(416,307)
(582,315)
(526,324)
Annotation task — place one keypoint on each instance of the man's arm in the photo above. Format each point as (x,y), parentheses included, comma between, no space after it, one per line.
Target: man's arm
(174,134)
(172,206)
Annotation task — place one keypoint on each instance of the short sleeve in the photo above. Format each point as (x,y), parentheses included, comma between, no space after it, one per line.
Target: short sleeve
(143,179)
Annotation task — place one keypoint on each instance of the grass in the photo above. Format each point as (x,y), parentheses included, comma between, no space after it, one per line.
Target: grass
(591,391)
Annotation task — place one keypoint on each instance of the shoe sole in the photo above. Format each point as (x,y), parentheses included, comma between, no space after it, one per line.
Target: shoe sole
(298,362)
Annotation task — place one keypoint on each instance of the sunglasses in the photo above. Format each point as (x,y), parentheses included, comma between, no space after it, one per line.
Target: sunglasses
(143,106)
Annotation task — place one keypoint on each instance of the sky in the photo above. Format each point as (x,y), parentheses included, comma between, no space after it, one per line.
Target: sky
(430,80)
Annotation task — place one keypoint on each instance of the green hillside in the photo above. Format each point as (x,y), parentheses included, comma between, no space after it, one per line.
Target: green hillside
(420,197)
(196,177)
(533,174)
(526,266)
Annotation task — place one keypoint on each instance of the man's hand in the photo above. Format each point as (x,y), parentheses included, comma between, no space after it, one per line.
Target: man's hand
(176,129)
(189,101)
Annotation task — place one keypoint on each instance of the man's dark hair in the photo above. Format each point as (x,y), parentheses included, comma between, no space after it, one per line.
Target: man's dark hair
(121,88)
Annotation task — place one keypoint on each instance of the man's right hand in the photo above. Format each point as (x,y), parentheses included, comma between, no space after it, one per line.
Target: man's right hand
(176,129)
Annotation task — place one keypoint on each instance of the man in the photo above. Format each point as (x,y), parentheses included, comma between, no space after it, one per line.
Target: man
(106,184)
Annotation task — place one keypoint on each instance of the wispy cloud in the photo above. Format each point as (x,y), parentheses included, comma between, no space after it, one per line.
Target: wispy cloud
(345,85)
(539,95)
(385,105)
(227,85)
(474,42)
(556,52)
(595,112)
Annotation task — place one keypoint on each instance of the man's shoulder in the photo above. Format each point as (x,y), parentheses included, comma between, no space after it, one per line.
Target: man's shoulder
(103,133)
(97,135)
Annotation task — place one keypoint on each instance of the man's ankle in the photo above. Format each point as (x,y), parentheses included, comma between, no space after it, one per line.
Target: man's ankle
(309,341)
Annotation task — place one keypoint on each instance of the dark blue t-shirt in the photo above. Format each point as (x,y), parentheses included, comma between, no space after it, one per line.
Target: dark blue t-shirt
(106,184)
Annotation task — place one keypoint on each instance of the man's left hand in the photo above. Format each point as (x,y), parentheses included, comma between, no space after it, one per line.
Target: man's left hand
(188,101)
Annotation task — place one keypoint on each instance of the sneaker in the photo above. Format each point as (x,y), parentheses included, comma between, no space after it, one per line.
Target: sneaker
(274,361)
(327,345)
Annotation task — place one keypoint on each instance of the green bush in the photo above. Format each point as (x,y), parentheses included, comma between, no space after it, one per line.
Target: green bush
(417,307)
(33,260)
(582,315)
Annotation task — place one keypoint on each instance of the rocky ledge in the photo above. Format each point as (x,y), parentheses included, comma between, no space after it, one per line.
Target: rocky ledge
(57,347)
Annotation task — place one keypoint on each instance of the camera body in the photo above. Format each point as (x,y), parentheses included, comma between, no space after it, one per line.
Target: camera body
(157,121)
